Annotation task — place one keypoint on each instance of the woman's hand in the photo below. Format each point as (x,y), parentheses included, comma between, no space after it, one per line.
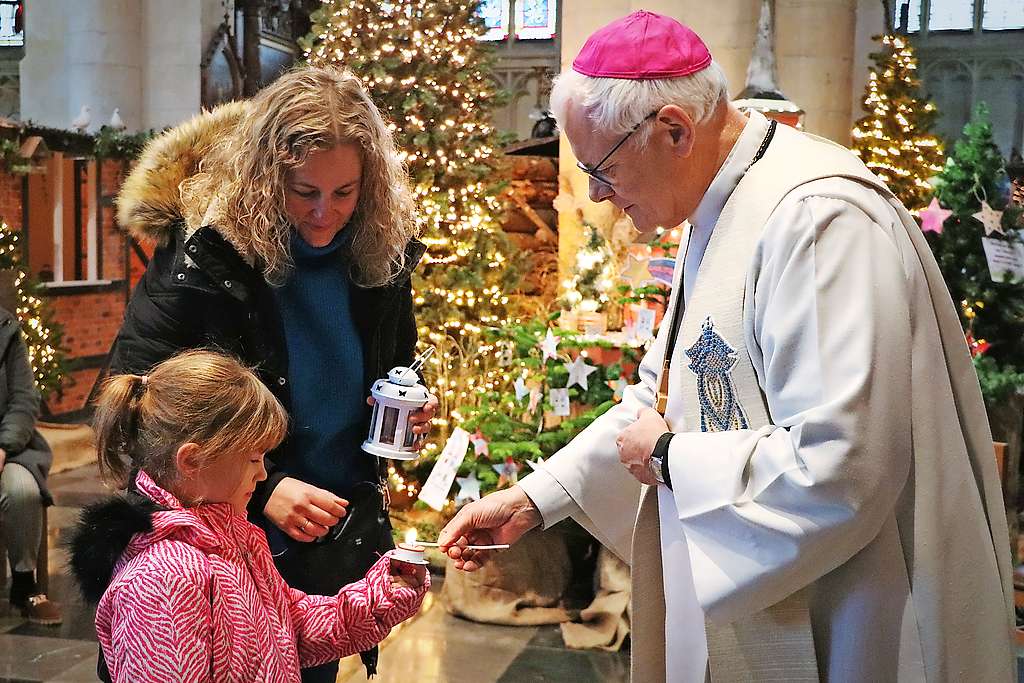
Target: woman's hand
(302,510)
(420,419)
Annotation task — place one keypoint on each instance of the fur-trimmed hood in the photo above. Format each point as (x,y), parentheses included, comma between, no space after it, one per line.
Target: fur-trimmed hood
(151,202)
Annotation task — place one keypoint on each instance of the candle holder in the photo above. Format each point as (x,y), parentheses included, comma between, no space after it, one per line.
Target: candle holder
(408,551)
(396,397)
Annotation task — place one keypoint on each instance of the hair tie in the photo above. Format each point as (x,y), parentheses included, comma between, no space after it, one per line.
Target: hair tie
(145,380)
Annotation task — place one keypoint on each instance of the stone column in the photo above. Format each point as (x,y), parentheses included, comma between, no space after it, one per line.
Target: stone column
(103,60)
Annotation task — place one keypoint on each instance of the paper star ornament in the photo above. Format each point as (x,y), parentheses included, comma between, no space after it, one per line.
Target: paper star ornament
(549,346)
(535,464)
(579,371)
(933,217)
(635,272)
(469,488)
(990,218)
(479,442)
(522,391)
(618,386)
(535,396)
(508,472)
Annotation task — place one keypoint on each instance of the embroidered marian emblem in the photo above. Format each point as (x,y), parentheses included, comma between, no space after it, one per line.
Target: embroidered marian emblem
(712,359)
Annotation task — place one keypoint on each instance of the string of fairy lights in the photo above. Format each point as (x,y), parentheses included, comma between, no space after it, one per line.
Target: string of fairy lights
(41,337)
(893,139)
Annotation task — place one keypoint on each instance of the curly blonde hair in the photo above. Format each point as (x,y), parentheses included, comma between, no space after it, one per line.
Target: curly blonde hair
(309,108)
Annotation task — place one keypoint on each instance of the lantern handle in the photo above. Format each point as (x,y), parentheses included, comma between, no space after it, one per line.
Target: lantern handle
(420,360)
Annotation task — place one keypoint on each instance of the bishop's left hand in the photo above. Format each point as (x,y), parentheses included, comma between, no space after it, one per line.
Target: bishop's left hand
(637,441)
(420,419)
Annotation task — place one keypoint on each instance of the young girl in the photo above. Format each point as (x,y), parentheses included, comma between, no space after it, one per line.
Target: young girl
(187,588)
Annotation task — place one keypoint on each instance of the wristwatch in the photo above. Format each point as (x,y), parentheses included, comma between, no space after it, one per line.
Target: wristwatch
(658,461)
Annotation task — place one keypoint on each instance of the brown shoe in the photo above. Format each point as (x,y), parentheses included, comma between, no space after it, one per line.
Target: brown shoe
(39,609)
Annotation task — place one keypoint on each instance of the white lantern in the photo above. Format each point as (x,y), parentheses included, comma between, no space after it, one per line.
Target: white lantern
(395,398)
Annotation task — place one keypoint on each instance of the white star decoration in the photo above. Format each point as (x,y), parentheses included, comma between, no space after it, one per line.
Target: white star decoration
(635,273)
(990,218)
(550,345)
(579,371)
(469,488)
(522,391)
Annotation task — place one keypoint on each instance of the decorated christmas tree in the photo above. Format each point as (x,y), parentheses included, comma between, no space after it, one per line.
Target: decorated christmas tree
(972,188)
(894,137)
(425,68)
(42,334)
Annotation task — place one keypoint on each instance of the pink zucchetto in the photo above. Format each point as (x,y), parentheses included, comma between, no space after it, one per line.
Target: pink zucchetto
(642,46)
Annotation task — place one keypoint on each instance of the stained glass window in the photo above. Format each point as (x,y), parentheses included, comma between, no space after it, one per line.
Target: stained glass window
(12,23)
(907,16)
(495,14)
(1002,14)
(951,15)
(536,19)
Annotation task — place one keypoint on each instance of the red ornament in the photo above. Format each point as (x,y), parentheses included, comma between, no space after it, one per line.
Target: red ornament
(976,346)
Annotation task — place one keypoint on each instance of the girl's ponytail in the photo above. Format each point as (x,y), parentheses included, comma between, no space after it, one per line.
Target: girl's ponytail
(116,424)
(198,397)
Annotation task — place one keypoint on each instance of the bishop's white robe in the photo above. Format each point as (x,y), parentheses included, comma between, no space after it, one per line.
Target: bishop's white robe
(869,494)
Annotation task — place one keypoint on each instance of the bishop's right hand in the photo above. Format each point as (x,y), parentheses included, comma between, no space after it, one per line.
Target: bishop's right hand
(501,517)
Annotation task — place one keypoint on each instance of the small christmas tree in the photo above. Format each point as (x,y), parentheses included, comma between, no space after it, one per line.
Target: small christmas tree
(42,334)
(992,312)
(894,138)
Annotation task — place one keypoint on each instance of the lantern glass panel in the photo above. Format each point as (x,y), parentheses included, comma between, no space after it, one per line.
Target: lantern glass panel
(390,426)
(410,437)
(373,419)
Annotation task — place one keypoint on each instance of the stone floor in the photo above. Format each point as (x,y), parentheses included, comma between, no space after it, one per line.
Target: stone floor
(433,647)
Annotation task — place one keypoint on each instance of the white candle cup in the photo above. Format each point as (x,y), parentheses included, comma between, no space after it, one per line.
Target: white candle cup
(410,554)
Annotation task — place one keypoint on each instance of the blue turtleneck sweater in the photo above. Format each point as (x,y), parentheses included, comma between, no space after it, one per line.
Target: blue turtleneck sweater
(325,370)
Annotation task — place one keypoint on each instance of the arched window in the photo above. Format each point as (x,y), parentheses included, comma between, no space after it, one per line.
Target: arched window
(12,23)
(524,19)
(951,15)
(957,15)
(1000,15)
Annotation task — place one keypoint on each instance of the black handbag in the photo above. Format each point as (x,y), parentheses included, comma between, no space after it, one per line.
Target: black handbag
(345,554)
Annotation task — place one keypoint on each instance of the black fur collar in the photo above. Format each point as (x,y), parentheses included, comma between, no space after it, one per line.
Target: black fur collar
(103,532)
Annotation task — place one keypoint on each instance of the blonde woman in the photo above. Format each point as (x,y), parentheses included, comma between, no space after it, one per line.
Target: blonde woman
(286,237)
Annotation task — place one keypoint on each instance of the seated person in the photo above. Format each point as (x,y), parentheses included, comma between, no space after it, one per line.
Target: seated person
(25,460)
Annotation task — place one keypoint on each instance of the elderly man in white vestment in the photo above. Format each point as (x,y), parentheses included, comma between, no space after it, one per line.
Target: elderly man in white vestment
(802,480)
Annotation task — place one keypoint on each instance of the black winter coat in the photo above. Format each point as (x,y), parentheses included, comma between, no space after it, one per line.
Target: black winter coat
(214,299)
(19,406)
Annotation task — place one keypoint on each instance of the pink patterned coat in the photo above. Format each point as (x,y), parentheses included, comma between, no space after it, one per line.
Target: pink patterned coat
(199,599)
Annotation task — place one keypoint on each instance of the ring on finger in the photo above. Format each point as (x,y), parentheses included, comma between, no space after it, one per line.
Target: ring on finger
(303,526)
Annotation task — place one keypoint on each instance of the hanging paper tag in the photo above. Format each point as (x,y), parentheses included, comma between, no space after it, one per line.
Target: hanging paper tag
(643,323)
(559,401)
(435,491)
(1005,259)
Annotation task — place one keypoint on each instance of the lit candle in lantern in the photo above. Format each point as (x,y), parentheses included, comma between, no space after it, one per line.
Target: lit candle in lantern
(408,551)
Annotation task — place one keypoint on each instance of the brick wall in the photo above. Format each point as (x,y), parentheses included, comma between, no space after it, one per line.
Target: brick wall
(10,200)
(92,315)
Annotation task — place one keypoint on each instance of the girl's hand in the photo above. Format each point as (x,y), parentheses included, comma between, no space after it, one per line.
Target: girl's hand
(407,575)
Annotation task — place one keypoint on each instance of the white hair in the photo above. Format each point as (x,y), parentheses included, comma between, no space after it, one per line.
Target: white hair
(616,105)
